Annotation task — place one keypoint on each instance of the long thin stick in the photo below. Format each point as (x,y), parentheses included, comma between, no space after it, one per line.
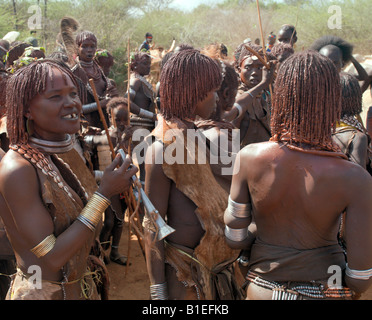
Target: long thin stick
(295,27)
(130,209)
(128,87)
(258,56)
(101,115)
(261,31)
(263,41)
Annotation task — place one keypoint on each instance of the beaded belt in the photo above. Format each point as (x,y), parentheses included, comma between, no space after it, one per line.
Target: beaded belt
(315,291)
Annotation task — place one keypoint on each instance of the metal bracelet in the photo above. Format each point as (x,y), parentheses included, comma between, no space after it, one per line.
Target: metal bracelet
(93,211)
(159,291)
(98,174)
(236,235)
(240,109)
(239,210)
(86,222)
(44,246)
(358,274)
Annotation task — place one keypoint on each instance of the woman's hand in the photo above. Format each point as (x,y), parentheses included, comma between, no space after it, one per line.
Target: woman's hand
(268,74)
(117,180)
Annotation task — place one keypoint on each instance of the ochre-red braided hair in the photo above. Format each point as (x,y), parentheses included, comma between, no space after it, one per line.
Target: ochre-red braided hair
(187,78)
(352,97)
(25,84)
(307,101)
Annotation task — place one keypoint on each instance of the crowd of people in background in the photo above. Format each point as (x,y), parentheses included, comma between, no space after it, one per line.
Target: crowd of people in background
(297,202)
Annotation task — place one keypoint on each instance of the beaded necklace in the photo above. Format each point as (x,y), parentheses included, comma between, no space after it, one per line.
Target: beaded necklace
(352,121)
(98,73)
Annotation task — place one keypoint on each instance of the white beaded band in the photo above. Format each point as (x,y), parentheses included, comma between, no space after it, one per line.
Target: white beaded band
(358,274)
(239,210)
(236,234)
(159,291)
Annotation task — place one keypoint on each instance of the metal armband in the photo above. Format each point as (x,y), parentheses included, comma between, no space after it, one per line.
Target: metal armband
(240,109)
(239,210)
(358,274)
(159,291)
(146,114)
(88,108)
(93,211)
(44,246)
(236,234)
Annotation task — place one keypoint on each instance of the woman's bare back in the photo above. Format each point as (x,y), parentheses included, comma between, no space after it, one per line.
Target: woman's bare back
(297,198)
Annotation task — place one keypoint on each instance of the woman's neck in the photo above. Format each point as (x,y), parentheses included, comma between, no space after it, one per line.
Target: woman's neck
(51,147)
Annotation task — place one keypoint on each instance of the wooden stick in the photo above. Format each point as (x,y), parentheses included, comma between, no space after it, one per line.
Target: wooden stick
(102,117)
(258,56)
(129,211)
(129,198)
(263,42)
(261,31)
(128,86)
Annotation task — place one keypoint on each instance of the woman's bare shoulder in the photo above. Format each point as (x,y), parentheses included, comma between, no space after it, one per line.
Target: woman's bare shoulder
(15,171)
(260,150)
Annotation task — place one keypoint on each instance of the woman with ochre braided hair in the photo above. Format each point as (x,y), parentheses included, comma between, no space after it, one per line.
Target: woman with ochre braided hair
(296,187)
(54,225)
(186,264)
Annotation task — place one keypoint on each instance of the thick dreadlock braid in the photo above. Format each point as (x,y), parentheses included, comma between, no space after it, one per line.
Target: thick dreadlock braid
(307,101)
(22,87)
(187,78)
(352,98)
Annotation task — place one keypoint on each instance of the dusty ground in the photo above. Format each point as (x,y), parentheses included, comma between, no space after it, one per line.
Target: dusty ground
(132,282)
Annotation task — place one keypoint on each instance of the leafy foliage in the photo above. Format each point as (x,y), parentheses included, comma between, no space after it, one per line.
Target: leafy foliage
(230,22)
